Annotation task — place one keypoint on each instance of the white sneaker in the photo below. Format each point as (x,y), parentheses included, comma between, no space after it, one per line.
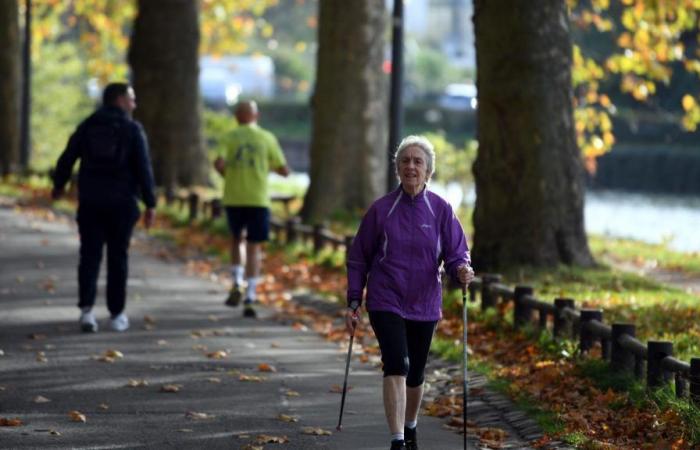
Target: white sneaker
(88,324)
(120,323)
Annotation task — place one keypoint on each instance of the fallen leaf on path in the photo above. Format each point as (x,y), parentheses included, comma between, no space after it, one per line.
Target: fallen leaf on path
(234,372)
(291,393)
(149,327)
(286,418)
(268,439)
(214,380)
(2,388)
(116,354)
(136,383)
(213,318)
(77,416)
(264,367)
(198,415)
(103,406)
(315,431)
(300,326)
(219,354)
(37,336)
(200,348)
(338,389)
(185,430)
(274,345)
(253,378)
(54,433)
(16,422)
(171,388)
(40,399)
(41,357)
(2,353)
(149,319)
(162,342)
(252,447)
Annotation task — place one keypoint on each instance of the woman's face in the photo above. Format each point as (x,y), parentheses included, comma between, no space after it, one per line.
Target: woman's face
(413,168)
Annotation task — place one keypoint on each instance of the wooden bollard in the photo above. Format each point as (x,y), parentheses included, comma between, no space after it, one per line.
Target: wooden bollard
(695,381)
(561,323)
(586,338)
(621,359)
(522,314)
(488,300)
(291,229)
(656,352)
(193,201)
(318,237)
(216,208)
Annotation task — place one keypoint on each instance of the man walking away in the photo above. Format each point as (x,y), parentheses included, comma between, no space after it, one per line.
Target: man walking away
(250,153)
(115,169)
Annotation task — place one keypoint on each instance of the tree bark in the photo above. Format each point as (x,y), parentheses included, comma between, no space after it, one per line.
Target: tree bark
(348,154)
(164,58)
(9,86)
(528,172)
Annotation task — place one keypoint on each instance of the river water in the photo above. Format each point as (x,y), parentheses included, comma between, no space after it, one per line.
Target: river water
(646,217)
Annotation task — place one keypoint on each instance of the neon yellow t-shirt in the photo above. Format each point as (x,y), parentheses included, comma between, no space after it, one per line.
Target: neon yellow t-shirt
(251,152)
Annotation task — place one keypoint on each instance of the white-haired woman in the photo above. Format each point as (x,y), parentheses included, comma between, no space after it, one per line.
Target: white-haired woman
(402,241)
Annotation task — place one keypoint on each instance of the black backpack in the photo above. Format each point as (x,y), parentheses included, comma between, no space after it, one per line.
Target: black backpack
(105,145)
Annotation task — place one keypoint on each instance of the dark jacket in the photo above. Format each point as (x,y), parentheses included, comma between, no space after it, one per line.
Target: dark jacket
(116,175)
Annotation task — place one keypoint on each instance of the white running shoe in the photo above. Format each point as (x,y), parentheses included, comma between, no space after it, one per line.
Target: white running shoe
(120,322)
(88,323)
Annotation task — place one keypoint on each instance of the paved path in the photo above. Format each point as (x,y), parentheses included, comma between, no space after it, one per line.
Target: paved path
(176,320)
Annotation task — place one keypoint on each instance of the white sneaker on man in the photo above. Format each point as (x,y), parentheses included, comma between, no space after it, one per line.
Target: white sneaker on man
(88,323)
(120,322)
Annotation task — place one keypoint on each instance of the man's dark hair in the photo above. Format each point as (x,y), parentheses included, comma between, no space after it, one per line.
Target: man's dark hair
(113,91)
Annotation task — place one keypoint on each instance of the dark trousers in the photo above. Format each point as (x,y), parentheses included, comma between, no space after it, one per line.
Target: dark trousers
(404,345)
(100,225)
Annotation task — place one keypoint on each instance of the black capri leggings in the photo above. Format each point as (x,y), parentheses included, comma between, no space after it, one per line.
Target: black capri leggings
(404,344)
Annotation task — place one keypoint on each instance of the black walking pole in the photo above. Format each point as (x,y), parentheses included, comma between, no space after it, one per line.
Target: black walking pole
(345,382)
(465,384)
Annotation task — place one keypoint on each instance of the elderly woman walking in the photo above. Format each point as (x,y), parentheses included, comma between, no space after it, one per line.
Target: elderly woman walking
(403,240)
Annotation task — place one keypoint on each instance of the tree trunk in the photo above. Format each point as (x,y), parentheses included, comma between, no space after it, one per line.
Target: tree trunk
(348,154)
(9,86)
(528,172)
(164,58)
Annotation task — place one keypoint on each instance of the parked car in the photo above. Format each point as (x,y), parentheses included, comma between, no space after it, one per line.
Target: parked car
(459,97)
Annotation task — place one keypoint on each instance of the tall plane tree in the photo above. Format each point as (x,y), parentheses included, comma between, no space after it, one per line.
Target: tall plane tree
(9,86)
(164,58)
(528,172)
(348,155)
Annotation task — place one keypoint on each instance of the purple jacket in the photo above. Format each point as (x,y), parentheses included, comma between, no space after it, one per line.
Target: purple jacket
(397,253)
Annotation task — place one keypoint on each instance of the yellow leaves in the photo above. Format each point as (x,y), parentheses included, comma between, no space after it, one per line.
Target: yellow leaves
(287,418)
(109,356)
(134,383)
(291,393)
(268,439)
(251,378)
(688,102)
(315,431)
(77,416)
(219,354)
(16,422)
(40,399)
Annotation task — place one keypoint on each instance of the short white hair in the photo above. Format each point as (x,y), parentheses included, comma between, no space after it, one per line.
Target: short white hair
(422,143)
